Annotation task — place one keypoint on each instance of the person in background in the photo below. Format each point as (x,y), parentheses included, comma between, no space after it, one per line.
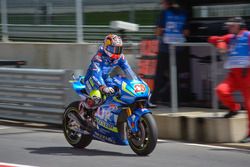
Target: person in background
(171,27)
(237,46)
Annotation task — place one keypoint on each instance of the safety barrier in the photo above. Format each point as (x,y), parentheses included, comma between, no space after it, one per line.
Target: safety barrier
(37,95)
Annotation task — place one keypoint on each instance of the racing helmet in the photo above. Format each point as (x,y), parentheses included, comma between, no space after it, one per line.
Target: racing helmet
(113,46)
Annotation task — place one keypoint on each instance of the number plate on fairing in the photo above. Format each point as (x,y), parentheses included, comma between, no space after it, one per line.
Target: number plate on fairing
(139,88)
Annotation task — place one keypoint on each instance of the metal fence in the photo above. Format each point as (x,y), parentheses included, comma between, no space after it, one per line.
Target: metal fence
(68,33)
(71,20)
(34,94)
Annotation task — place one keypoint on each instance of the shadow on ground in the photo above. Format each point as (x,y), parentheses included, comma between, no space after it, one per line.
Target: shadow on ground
(67,151)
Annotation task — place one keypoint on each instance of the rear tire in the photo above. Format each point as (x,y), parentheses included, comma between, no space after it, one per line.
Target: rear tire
(76,139)
(146,140)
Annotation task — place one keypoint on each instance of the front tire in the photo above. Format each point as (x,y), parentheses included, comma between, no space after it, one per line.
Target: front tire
(74,138)
(144,142)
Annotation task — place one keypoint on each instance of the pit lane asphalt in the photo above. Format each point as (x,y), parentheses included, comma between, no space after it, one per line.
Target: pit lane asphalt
(47,147)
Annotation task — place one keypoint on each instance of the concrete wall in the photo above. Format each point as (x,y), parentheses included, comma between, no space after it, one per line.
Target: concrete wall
(49,55)
(195,128)
(53,55)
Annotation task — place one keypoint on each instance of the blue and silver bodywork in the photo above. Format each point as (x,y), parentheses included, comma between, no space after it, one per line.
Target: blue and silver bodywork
(106,116)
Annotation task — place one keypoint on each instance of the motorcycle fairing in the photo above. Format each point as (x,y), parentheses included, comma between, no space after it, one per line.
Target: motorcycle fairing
(107,130)
(128,93)
(106,119)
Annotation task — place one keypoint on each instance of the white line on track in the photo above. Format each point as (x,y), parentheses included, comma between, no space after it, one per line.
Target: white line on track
(13,165)
(4,127)
(209,146)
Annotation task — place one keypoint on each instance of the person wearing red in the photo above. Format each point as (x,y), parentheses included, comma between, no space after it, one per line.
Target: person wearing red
(237,46)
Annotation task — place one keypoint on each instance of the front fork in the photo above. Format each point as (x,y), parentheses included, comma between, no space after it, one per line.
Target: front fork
(134,117)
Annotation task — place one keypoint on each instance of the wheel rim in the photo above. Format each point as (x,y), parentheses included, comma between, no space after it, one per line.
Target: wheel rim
(141,138)
(72,135)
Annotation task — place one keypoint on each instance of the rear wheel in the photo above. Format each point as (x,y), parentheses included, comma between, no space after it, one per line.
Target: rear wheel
(145,140)
(71,127)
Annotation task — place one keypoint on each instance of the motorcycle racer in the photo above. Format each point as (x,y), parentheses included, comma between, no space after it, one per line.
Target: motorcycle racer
(109,56)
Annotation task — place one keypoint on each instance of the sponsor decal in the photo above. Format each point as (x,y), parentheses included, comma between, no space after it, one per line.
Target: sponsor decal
(96,66)
(88,85)
(139,88)
(133,118)
(123,57)
(106,125)
(106,69)
(104,113)
(96,80)
(117,81)
(113,107)
(124,85)
(98,57)
(103,137)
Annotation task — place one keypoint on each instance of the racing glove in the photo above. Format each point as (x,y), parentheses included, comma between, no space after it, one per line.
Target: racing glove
(107,90)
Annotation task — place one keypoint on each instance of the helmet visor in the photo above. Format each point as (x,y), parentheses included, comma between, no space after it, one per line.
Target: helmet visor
(114,49)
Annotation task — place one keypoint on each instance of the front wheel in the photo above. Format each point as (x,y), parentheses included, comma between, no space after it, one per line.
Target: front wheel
(145,140)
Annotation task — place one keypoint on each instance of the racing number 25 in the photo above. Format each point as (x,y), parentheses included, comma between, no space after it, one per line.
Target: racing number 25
(139,88)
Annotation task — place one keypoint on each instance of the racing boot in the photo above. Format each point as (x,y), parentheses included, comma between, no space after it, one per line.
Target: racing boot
(246,139)
(231,114)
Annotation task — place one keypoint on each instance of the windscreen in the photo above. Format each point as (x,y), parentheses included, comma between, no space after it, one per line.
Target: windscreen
(127,73)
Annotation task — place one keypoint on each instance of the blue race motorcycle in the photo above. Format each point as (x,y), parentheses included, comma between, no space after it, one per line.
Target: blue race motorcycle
(122,119)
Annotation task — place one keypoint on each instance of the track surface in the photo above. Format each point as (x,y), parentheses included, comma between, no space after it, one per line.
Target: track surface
(47,148)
